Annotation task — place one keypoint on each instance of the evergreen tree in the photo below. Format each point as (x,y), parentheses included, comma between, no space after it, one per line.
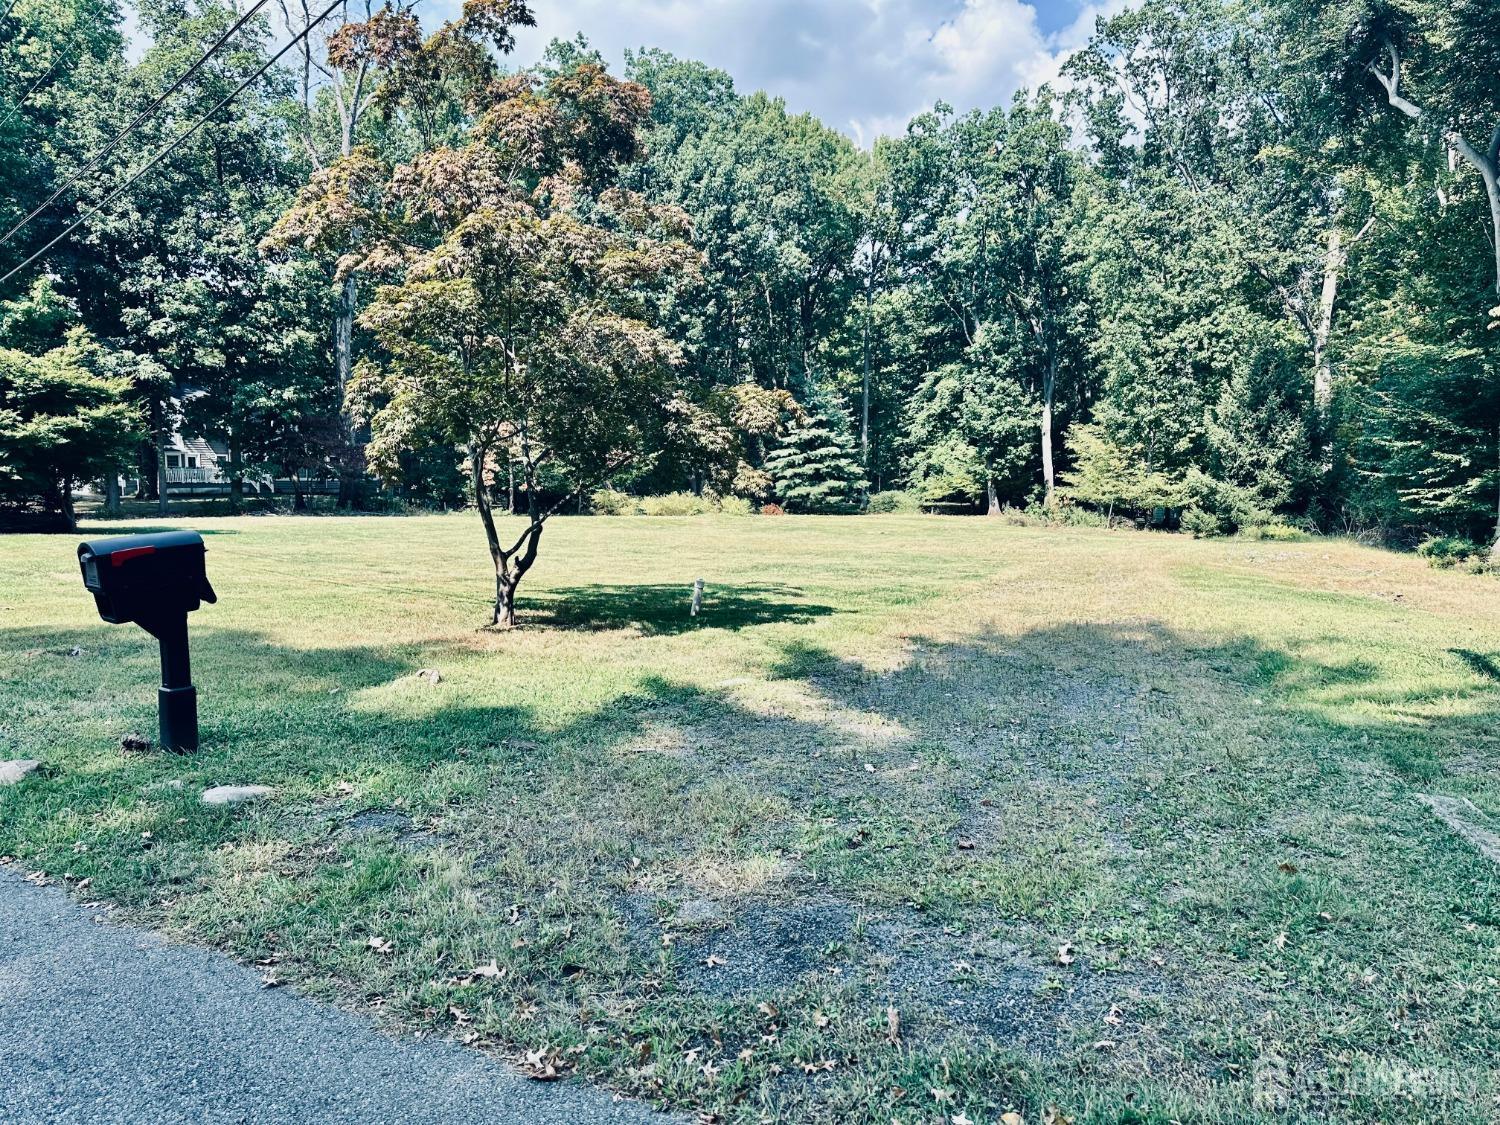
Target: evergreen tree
(816,467)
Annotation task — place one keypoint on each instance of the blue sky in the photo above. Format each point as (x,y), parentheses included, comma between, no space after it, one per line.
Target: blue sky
(863,66)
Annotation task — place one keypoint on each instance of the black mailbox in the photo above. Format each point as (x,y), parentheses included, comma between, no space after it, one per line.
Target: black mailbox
(155,581)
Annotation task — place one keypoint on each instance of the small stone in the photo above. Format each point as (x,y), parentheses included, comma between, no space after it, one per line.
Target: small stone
(431,675)
(13,771)
(235,794)
(135,744)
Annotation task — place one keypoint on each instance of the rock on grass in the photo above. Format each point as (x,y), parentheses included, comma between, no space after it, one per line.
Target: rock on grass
(13,771)
(235,794)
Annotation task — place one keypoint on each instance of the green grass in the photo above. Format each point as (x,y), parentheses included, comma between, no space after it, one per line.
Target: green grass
(898,762)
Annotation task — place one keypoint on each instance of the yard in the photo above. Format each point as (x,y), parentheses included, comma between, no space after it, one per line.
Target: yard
(923,819)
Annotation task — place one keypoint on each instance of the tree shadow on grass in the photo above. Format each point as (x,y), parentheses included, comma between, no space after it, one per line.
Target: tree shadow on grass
(1108,780)
(665,609)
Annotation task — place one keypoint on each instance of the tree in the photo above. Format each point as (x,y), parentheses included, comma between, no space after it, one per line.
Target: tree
(815,467)
(519,333)
(60,424)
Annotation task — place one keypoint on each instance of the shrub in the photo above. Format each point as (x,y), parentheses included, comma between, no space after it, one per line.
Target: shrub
(1216,507)
(735,506)
(1443,551)
(894,500)
(1275,532)
(674,504)
(772,510)
(608,502)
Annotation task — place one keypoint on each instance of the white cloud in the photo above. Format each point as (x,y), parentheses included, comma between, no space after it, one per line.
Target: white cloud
(863,66)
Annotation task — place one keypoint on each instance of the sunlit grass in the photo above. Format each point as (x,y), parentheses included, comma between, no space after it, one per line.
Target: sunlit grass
(896,762)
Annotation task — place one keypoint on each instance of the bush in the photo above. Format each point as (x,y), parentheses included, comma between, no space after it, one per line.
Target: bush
(894,500)
(1444,551)
(772,510)
(1275,532)
(608,502)
(1216,507)
(735,506)
(675,504)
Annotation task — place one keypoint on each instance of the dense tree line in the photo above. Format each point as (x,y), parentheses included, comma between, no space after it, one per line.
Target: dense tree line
(1240,267)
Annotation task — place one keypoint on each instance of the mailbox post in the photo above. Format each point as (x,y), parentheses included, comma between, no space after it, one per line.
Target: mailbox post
(155,581)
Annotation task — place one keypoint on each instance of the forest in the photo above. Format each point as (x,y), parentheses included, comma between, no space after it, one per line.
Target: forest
(1238,269)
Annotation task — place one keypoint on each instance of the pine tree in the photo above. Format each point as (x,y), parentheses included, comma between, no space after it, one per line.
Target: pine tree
(816,468)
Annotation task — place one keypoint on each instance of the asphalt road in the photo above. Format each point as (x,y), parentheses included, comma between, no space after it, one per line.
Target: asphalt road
(104,1023)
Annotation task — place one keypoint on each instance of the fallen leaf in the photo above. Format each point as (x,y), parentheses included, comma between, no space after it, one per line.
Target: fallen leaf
(380,945)
(869,768)
(1114,1017)
(490,970)
(1012,1118)
(961,1119)
(1065,955)
(714,961)
(1054,1116)
(820,1019)
(768,1009)
(1286,867)
(1280,940)
(965,844)
(1105,1045)
(892,1025)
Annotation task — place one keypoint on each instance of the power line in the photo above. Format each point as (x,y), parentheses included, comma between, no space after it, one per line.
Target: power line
(140,117)
(15,109)
(164,153)
(11,8)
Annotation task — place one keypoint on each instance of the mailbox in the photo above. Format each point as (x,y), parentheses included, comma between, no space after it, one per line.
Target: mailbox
(155,581)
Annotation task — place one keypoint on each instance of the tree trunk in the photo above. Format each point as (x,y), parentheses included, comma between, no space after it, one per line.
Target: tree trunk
(112,493)
(994,496)
(350,469)
(1049,388)
(161,474)
(864,422)
(1333,264)
(236,479)
(65,504)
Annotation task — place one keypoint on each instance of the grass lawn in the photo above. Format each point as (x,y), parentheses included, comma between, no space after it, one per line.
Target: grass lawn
(922,818)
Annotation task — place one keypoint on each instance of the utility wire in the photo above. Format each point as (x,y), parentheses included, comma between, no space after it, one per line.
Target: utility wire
(15,109)
(114,141)
(164,153)
(10,9)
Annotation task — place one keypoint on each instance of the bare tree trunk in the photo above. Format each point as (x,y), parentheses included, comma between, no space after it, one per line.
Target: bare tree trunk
(350,470)
(512,565)
(994,496)
(112,493)
(1049,388)
(864,423)
(65,504)
(236,478)
(1333,263)
(161,474)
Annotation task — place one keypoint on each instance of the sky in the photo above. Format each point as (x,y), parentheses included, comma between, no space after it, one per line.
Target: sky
(862,66)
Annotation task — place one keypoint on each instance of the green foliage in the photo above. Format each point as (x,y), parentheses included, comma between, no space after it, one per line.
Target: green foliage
(675,504)
(1445,551)
(1218,507)
(892,501)
(1108,476)
(815,468)
(61,425)
(608,502)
